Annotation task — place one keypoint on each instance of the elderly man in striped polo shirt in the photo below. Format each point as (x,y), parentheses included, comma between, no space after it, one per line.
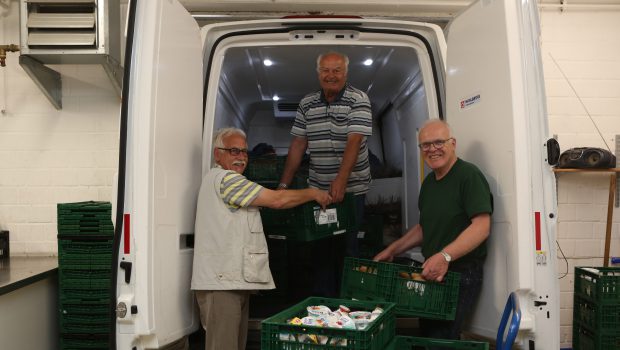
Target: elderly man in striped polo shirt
(333,123)
(230,250)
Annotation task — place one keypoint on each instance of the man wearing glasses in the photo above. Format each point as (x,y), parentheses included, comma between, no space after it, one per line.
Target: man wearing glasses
(455,206)
(333,123)
(230,250)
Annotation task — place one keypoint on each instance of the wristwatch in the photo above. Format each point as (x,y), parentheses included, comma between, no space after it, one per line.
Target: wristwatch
(446,256)
(282,185)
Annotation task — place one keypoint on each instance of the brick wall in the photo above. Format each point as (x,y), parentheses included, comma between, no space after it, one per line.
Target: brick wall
(49,156)
(581,57)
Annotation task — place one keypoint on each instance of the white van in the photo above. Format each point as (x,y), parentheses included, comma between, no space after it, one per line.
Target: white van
(182,83)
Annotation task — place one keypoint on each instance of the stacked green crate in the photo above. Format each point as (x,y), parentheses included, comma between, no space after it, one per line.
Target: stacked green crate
(85,233)
(596,309)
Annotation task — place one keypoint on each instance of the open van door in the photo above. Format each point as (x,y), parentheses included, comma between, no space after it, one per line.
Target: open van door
(159,176)
(495,104)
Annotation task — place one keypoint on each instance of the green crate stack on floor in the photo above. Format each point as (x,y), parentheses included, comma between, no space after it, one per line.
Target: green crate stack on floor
(596,309)
(85,233)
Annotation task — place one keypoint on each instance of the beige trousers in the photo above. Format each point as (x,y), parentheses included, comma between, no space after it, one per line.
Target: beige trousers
(224,317)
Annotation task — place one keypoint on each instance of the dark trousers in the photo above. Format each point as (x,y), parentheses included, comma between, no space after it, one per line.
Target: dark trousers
(332,251)
(470,286)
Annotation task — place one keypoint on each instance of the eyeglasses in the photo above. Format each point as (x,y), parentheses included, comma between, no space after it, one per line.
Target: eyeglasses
(438,144)
(333,71)
(235,151)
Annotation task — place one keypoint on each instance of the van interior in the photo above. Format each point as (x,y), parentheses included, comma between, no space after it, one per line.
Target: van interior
(260,88)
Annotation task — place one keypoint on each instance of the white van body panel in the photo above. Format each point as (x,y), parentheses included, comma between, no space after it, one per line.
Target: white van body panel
(162,176)
(493,67)
(495,105)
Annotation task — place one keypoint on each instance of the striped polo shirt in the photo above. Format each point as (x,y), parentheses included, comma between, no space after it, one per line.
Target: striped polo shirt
(326,127)
(237,191)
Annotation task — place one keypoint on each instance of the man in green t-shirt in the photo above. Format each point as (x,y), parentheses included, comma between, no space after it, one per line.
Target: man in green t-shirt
(455,206)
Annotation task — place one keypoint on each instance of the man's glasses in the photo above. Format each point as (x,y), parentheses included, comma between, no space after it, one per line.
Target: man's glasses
(333,71)
(235,151)
(438,144)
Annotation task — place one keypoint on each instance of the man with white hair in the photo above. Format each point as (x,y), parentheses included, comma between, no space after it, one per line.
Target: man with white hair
(455,206)
(230,250)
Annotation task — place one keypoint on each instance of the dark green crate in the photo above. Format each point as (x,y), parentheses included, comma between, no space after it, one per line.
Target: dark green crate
(66,246)
(596,316)
(84,294)
(586,339)
(79,343)
(268,167)
(90,284)
(598,284)
(416,298)
(375,337)
(84,206)
(308,222)
(364,279)
(65,300)
(89,262)
(74,308)
(424,298)
(67,273)
(417,343)
(71,323)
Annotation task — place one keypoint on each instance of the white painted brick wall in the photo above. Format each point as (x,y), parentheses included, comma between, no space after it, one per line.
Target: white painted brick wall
(583,48)
(49,156)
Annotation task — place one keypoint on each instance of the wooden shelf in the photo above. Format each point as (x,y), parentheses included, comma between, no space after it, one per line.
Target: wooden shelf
(610,204)
(572,170)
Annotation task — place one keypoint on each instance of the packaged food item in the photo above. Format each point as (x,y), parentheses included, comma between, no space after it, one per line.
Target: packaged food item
(356,315)
(375,313)
(347,322)
(318,310)
(361,323)
(404,275)
(417,276)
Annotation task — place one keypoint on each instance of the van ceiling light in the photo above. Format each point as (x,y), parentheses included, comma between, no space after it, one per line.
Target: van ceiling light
(368,62)
(276,98)
(267,62)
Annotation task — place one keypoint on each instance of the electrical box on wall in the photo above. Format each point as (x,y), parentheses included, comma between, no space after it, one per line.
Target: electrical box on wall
(69,32)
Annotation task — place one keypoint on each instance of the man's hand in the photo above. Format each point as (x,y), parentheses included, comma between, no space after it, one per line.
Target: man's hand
(337,189)
(323,198)
(435,268)
(384,255)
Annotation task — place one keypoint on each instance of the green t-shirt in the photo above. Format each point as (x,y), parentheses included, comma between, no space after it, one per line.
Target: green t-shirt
(446,207)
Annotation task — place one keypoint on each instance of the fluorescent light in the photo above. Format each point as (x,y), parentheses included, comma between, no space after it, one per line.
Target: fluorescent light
(267,62)
(276,97)
(368,62)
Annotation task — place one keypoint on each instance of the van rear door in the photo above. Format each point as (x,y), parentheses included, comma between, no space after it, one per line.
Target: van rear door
(495,103)
(159,175)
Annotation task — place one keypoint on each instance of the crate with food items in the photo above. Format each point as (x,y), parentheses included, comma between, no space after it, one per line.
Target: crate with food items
(402,284)
(320,323)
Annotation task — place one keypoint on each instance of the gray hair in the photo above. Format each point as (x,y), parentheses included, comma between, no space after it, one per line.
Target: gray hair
(344,57)
(223,133)
(438,121)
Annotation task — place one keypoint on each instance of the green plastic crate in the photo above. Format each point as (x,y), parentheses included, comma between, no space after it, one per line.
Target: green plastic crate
(597,316)
(74,308)
(375,337)
(269,167)
(85,295)
(585,339)
(417,343)
(425,299)
(598,284)
(308,222)
(364,279)
(90,342)
(72,323)
(67,246)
